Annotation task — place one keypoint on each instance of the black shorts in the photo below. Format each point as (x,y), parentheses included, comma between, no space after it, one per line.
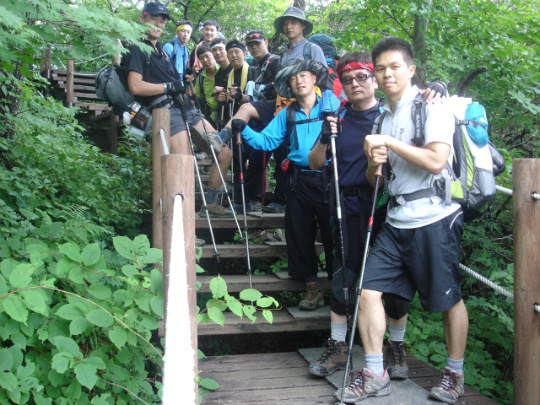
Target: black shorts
(424,259)
(266,110)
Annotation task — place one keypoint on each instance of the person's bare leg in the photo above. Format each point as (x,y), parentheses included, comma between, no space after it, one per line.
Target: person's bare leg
(180,144)
(456,326)
(371,321)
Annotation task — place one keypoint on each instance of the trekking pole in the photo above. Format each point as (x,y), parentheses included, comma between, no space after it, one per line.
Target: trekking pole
(197,172)
(239,143)
(339,216)
(378,175)
(214,157)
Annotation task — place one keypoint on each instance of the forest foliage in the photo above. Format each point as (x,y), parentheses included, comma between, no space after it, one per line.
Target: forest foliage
(61,195)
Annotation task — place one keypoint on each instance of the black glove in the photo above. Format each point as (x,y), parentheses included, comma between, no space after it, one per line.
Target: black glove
(237,125)
(268,92)
(238,95)
(326,132)
(439,87)
(175,87)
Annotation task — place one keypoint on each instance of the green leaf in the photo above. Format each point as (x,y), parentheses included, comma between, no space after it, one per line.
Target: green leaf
(250,294)
(86,375)
(8,381)
(268,315)
(100,291)
(156,277)
(95,362)
(91,254)
(36,300)
(235,306)
(218,286)
(16,308)
(118,336)
(78,326)
(65,344)
(157,306)
(60,362)
(72,251)
(209,384)
(153,256)
(249,311)
(266,302)
(6,360)
(216,315)
(69,312)
(125,247)
(99,318)
(21,275)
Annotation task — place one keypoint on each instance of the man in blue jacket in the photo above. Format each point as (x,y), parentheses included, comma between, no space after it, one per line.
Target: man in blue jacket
(299,125)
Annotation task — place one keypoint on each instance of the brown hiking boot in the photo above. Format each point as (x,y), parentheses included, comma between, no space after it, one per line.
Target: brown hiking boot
(395,360)
(334,358)
(216,211)
(203,139)
(313,298)
(364,384)
(449,388)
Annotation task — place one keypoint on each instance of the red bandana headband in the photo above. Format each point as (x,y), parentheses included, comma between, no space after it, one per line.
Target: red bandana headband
(354,66)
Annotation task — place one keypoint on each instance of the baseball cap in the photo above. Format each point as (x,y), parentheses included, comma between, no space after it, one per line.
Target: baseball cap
(255,36)
(155,8)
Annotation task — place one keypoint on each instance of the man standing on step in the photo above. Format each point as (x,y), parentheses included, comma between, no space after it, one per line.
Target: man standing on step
(357,118)
(177,48)
(153,80)
(418,246)
(299,126)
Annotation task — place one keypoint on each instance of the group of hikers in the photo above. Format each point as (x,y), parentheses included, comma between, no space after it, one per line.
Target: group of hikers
(303,111)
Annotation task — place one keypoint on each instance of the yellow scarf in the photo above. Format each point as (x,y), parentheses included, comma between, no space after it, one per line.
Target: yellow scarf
(243,79)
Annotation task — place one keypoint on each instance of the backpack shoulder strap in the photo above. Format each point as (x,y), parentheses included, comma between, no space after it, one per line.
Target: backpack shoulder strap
(307,50)
(419,119)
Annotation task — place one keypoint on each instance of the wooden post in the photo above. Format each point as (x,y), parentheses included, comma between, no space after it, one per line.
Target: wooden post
(178,178)
(160,119)
(178,181)
(526,181)
(69,83)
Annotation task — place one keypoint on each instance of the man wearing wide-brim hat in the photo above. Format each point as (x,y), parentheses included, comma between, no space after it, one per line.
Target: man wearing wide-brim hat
(307,195)
(295,26)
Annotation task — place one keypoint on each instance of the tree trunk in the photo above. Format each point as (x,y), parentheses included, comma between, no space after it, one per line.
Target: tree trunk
(420,48)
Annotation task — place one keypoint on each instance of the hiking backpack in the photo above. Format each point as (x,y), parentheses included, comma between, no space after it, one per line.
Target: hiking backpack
(476,162)
(111,83)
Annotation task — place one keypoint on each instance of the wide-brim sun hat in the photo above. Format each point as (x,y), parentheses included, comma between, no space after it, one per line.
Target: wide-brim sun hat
(295,13)
(282,78)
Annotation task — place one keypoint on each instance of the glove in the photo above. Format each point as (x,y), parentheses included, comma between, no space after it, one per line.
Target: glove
(238,95)
(175,87)
(237,125)
(326,132)
(439,87)
(268,92)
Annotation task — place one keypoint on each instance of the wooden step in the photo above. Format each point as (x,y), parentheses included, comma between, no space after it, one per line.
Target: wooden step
(283,321)
(263,282)
(261,220)
(267,249)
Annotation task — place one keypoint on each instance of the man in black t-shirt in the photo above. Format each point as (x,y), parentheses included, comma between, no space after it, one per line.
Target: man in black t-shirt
(153,80)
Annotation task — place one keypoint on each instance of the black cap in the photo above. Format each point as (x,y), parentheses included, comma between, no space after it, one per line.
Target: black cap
(234,43)
(155,8)
(255,36)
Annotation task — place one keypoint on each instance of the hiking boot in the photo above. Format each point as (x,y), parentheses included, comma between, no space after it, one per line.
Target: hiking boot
(216,211)
(274,208)
(449,388)
(203,139)
(313,298)
(334,358)
(239,208)
(364,384)
(199,242)
(256,206)
(395,360)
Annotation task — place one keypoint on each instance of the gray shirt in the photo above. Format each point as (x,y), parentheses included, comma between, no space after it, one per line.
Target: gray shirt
(291,55)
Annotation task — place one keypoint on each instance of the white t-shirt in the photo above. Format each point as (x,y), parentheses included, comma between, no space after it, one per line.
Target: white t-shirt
(439,127)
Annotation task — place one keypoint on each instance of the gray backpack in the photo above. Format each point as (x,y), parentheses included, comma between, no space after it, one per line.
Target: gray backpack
(111,85)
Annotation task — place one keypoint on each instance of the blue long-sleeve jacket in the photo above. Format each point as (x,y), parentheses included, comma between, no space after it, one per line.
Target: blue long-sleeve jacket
(274,134)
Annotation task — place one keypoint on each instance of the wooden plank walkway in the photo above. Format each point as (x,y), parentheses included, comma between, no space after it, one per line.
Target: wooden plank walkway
(283,378)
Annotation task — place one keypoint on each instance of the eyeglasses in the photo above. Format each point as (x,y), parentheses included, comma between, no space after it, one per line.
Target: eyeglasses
(359,78)
(251,37)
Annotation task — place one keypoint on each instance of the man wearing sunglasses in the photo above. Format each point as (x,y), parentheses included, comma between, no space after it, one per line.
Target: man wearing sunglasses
(356,73)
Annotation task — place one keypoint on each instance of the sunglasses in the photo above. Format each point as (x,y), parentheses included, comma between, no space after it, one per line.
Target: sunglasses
(254,36)
(359,78)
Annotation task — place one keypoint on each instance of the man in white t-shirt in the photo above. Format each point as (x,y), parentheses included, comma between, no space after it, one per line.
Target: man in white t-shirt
(417,249)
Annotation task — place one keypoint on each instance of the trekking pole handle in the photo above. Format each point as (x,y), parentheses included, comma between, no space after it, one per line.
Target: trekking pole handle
(378,171)
(239,138)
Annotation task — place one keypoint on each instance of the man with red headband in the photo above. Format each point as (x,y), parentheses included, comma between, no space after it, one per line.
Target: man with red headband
(356,73)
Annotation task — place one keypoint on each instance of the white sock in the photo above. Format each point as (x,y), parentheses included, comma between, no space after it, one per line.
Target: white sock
(397,333)
(338,331)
